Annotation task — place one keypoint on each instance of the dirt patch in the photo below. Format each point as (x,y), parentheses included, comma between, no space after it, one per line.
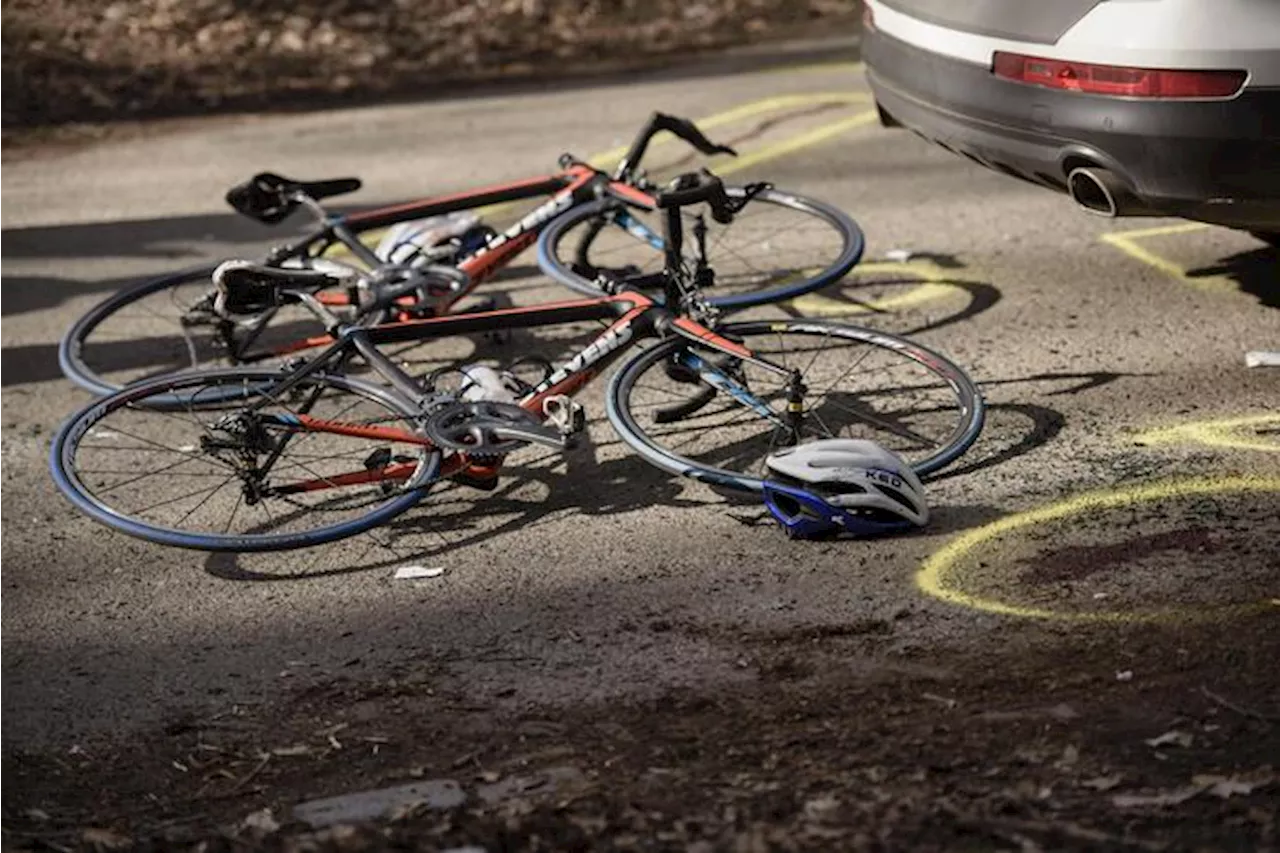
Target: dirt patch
(84,60)
(1076,562)
(1047,744)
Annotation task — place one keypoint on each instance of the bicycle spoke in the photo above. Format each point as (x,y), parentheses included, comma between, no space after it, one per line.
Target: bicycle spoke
(182,497)
(155,447)
(146,474)
(206,499)
(232,517)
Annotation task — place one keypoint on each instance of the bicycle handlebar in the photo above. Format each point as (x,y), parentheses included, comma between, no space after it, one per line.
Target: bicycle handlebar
(703,186)
(682,128)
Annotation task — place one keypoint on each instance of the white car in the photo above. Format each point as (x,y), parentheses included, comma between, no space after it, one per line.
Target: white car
(1132,107)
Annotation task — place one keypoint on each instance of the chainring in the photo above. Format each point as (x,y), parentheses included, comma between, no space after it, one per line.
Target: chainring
(475,427)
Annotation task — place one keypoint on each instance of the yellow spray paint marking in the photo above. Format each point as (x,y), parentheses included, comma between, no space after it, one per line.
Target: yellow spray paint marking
(752,109)
(813,67)
(935,283)
(724,166)
(1128,242)
(805,140)
(937,576)
(1239,433)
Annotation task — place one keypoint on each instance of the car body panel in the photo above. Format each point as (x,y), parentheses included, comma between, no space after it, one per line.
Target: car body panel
(1039,21)
(1213,159)
(1141,33)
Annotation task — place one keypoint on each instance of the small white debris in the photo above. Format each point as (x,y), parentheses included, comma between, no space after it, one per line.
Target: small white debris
(103,433)
(899,256)
(1262,358)
(1124,675)
(418,572)
(1171,738)
(1099,596)
(188,448)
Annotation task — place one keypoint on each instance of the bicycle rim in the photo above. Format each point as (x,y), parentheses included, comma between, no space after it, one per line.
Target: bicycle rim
(860,384)
(176,477)
(779,247)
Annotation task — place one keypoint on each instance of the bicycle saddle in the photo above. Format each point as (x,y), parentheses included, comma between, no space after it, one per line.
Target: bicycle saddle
(269,198)
(248,288)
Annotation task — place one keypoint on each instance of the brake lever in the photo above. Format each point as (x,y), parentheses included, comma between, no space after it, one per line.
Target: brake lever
(749,192)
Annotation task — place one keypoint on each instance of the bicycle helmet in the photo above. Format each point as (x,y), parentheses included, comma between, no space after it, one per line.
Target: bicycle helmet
(843,485)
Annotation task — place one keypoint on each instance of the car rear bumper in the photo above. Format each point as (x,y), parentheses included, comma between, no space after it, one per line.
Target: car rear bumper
(1213,160)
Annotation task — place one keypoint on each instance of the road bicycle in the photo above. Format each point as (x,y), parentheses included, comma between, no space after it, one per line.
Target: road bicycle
(257,459)
(790,245)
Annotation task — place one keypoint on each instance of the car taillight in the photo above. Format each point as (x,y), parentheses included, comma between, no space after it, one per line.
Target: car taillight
(1117,79)
(868,17)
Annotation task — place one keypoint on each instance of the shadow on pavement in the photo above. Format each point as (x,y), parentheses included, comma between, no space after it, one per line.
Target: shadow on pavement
(456,517)
(1257,272)
(1044,426)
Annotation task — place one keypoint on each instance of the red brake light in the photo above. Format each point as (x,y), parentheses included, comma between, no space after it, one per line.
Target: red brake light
(1116,79)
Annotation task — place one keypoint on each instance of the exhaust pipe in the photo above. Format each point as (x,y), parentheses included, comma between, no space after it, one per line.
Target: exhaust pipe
(1099,191)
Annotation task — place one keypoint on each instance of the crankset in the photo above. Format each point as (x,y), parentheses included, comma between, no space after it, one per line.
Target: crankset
(488,428)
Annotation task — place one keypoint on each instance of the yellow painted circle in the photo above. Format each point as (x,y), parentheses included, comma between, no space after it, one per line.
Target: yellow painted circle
(1231,433)
(937,575)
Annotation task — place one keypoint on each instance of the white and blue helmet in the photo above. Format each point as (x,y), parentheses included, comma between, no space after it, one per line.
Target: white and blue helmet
(843,485)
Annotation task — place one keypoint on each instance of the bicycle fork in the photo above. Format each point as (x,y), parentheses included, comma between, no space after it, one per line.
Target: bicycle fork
(722,378)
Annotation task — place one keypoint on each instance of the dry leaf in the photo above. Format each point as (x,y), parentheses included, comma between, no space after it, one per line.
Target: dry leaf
(1164,798)
(105,839)
(1102,783)
(1226,787)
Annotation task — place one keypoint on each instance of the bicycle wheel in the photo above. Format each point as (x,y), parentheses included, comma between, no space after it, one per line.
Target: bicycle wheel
(166,325)
(216,477)
(696,412)
(779,247)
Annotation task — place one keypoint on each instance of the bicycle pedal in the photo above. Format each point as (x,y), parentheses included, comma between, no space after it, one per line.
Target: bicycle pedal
(569,418)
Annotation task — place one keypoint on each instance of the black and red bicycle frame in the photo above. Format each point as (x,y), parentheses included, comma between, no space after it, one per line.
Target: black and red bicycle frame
(634,316)
(577,184)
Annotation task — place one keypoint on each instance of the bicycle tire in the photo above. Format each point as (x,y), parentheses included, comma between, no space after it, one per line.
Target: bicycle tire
(148,432)
(949,403)
(807,220)
(71,349)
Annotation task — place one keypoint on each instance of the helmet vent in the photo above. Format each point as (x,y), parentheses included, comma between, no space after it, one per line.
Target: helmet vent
(897,496)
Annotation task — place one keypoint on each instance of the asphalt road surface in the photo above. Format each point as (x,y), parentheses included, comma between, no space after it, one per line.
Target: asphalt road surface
(1129,474)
